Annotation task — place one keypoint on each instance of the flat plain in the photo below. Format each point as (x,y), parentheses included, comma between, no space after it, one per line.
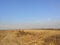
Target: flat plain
(29,37)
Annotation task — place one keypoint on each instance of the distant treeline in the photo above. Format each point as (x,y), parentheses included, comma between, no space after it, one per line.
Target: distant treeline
(45,29)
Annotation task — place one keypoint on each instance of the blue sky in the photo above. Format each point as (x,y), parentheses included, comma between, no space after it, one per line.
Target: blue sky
(39,13)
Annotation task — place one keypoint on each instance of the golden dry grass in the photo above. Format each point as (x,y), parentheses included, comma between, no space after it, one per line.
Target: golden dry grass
(29,37)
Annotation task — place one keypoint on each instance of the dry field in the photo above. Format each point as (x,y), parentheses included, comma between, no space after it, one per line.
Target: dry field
(29,37)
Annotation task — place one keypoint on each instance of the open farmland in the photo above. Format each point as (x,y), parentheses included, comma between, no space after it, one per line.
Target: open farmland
(29,37)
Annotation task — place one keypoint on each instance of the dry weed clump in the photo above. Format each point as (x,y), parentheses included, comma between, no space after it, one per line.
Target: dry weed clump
(23,33)
(2,35)
(53,40)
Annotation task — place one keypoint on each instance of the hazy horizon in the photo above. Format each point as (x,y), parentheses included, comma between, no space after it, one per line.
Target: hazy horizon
(27,14)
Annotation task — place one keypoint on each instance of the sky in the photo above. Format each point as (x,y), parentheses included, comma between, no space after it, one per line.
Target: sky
(26,14)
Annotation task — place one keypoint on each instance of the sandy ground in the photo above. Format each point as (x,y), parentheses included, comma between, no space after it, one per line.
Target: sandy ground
(29,37)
